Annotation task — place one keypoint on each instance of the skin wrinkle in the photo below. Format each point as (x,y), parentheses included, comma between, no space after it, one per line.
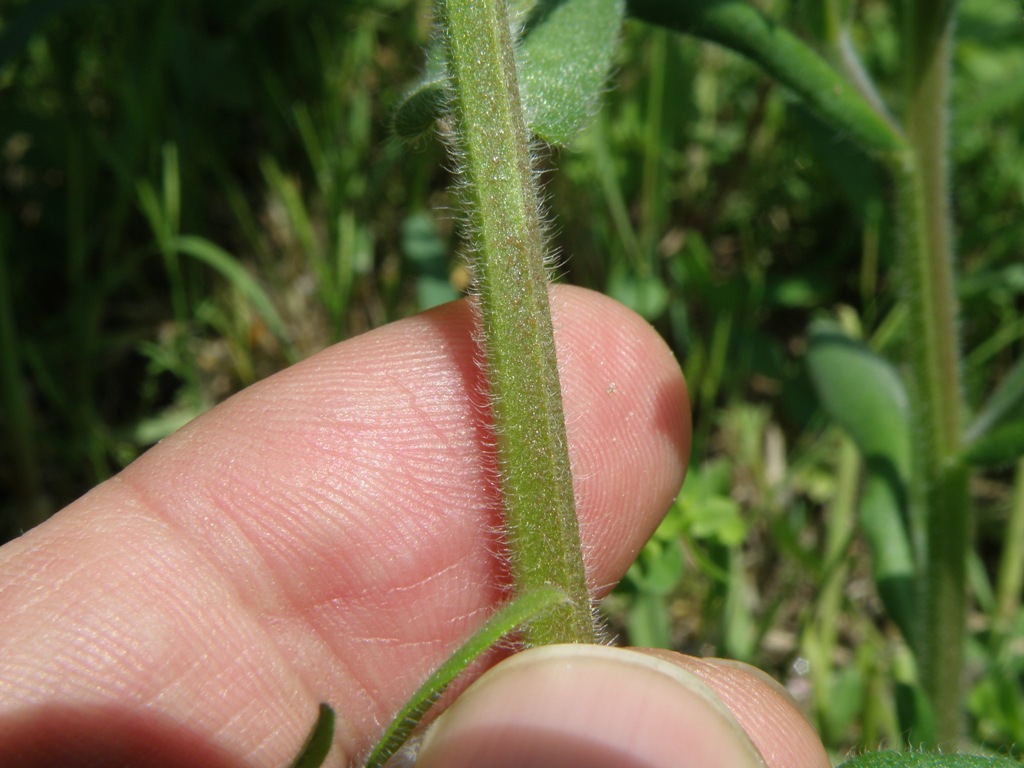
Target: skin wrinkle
(36,585)
(205,500)
(73,635)
(211,527)
(227,550)
(344,670)
(434,406)
(105,665)
(388,562)
(358,677)
(401,544)
(163,560)
(422,480)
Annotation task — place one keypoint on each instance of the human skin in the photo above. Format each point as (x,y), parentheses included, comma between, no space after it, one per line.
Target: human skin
(329,534)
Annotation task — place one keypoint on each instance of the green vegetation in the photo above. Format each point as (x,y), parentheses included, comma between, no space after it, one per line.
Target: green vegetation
(196,196)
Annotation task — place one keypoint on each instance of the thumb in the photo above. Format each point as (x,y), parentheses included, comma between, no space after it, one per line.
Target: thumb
(589,705)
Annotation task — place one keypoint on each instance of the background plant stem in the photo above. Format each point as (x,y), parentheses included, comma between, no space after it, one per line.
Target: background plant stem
(15,404)
(511,276)
(941,480)
(1011,565)
(741,26)
(916,158)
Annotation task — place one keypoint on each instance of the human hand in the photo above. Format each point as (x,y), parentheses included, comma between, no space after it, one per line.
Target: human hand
(330,534)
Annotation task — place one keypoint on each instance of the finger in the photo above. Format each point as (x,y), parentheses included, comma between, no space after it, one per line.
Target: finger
(764,709)
(564,706)
(329,534)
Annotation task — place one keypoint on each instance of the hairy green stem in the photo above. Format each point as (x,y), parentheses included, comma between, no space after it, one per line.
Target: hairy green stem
(941,479)
(511,277)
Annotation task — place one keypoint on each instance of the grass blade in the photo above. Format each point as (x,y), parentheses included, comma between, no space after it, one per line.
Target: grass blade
(230,268)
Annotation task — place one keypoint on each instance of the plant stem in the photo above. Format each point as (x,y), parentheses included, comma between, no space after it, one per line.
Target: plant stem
(511,275)
(14,403)
(741,26)
(941,479)
(1011,564)
(820,638)
(916,159)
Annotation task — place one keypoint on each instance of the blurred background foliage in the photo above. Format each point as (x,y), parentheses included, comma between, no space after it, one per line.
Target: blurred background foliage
(194,195)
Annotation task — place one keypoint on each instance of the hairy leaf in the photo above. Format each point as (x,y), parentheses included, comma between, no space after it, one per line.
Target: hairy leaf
(563,59)
(513,616)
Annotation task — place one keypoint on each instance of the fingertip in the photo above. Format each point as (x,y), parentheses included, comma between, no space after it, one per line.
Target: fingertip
(628,417)
(762,706)
(587,705)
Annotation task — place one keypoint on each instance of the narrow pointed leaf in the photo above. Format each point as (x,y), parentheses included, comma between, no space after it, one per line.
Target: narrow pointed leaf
(743,27)
(1005,402)
(240,278)
(315,750)
(999,446)
(513,616)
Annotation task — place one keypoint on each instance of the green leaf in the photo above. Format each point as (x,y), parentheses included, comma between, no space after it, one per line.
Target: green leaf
(881,517)
(707,510)
(239,277)
(425,102)
(318,744)
(648,622)
(1004,403)
(646,295)
(419,108)
(922,760)
(513,616)
(864,395)
(659,568)
(564,59)
(998,447)
(862,392)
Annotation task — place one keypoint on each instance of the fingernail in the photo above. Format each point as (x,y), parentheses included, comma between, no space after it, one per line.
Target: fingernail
(588,705)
